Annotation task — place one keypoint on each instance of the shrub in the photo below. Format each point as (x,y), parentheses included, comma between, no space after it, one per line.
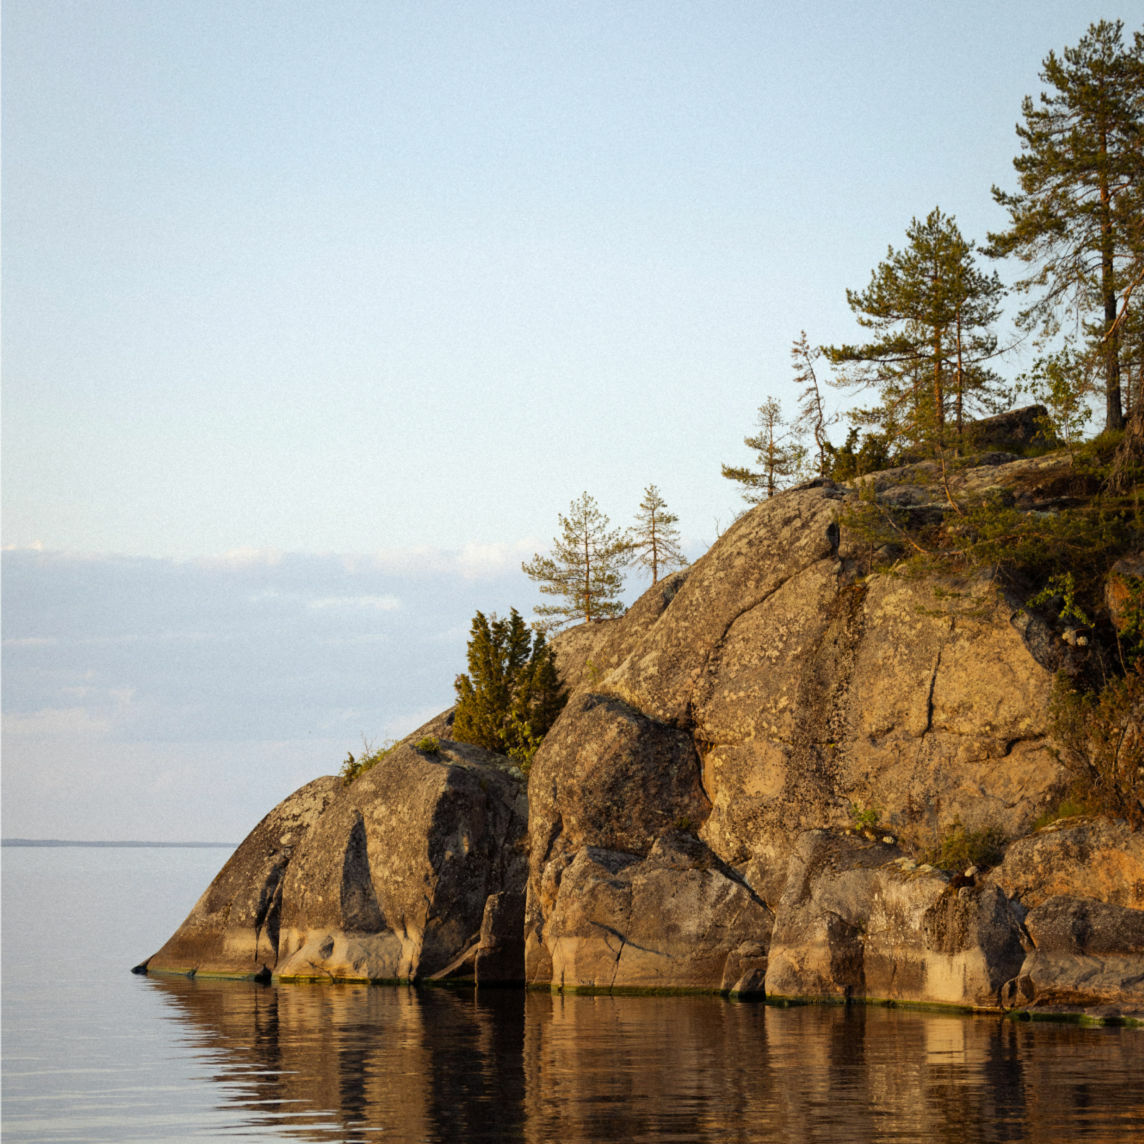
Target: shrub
(430,745)
(511,694)
(370,756)
(959,848)
(864,818)
(1100,738)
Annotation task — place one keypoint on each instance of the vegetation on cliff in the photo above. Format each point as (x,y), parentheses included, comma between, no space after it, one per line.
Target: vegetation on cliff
(511,694)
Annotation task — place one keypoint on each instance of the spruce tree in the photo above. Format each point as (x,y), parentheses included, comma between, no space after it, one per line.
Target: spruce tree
(778,454)
(511,694)
(1077,216)
(585,568)
(654,541)
(932,310)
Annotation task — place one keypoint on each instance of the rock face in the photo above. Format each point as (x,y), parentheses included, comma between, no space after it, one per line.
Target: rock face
(234,927)
(738,796)
(858,921)
(387,879)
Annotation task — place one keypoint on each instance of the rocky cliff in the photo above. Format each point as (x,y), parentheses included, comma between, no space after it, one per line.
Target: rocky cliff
(752,766)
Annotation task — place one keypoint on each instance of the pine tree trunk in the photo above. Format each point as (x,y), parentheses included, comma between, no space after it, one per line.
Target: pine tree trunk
(1113,409)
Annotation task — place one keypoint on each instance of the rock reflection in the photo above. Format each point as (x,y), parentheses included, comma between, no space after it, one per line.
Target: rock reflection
(352,1062)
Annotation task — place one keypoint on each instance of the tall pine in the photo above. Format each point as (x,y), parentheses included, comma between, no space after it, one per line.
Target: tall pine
(585,568)
(1076,218)
(931,310)
(654,540)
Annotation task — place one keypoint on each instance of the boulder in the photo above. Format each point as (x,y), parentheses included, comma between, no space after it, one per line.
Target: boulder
(676,919)
(773,689)
(393,881)
(1087,955)
(386,879)
(1086,857)
(1014,429)
(859,921)
(607,777)
(1124,594)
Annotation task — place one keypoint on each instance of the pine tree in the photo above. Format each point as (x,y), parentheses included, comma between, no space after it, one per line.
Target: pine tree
(654,541)
(585,568)
(1076,218)
(778,454)
(511,694)
(931,309)
(1057,382)
(812,418)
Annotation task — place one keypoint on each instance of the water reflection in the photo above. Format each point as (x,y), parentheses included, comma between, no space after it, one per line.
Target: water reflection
(353,1062)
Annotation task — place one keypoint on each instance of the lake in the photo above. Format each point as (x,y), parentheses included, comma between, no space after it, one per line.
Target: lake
(94,1053)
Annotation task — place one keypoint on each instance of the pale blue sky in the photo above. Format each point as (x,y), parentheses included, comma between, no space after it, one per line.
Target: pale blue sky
(397,281)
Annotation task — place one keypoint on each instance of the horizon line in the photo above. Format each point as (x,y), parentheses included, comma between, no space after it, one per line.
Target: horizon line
(105,842)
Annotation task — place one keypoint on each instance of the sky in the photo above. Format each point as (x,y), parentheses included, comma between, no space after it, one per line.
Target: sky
(316,316)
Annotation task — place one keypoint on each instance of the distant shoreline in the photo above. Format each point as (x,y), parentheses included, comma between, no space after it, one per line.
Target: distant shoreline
(69,842)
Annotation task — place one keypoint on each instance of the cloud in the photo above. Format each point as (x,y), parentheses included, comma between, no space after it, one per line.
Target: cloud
(368,603)
(55,724)
(242,558)
(122,668)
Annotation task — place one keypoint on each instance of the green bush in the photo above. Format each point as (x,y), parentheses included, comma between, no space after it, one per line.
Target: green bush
(430,745)
(370,756)
(511,694)
(864,818)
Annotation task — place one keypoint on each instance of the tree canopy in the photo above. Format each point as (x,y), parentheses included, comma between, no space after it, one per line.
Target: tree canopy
(932,312)
(778,455)
(585,568)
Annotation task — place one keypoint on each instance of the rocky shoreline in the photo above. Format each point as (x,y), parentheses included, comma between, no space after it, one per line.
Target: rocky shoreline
(739,797)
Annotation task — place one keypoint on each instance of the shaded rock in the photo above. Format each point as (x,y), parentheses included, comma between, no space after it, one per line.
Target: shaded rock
(859,921)
(676,919)
(386,879)
(1013,430)
(393,881)
(1045,483)
(1087,927)
(233,928)
(1087,954)
(1093,858)
(499,956)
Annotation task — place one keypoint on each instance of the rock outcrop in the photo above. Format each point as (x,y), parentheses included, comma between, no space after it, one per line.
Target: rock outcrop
(407,874)
(859,921)
(739,796)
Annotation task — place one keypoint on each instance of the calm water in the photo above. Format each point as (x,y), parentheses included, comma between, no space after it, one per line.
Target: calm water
(92,1053)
